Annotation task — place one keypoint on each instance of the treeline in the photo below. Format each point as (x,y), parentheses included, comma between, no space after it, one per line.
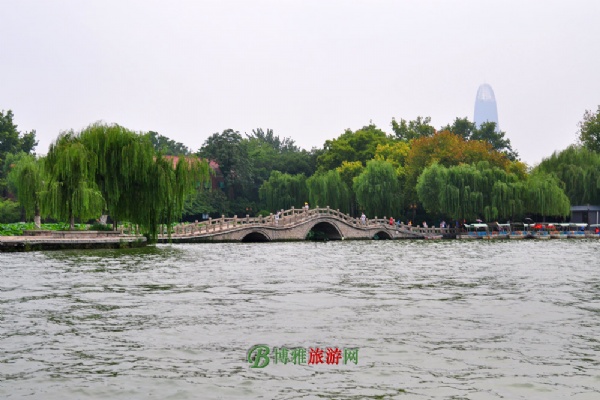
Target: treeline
(105,169)
(457,172)
(416,172)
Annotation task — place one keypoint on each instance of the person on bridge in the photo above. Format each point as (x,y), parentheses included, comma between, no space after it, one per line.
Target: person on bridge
(391,221)
(363,219)
(277,217)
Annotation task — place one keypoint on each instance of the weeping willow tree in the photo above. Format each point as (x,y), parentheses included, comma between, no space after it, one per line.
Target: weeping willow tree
(579,170)
(162,196)
(430,185)
(466,191)
(107,167)
(282,191)
(377,189)
(70,191)
(27,177)
(137,185)
(328,189)
(545,197)
(121,168)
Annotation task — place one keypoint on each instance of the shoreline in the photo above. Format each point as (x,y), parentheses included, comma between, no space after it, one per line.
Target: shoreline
(67,240)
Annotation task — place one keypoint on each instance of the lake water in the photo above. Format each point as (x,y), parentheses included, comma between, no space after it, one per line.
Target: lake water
(430,320)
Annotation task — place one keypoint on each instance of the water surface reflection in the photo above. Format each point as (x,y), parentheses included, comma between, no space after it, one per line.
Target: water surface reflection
(447,319)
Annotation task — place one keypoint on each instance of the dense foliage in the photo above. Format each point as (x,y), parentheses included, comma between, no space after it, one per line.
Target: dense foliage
(481,191)
(459,171)
(589,130)
(283,191)
(26,178)
(328,189)
(70,191)
(378,190)
(108,168)
(12,142)
(578,168)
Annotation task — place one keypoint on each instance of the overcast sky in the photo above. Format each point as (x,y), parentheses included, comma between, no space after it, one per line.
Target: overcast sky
(306,69)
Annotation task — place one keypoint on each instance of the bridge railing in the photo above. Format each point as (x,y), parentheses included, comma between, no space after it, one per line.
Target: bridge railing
(294,216)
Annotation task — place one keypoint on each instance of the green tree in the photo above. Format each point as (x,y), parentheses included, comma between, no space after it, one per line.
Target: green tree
(446,149)
(409,130)
(9,211)
(267,152)
(206,201)
(488,132)
(545,197)
(470,191)
(348,171)
(378,190)
(589,130)
(231,153)
(165,146)
(138,185)
(27,179)
(352,146)
(71,191)
(461,127)
(578,169)
(12,142)
(282,191)
(329,189)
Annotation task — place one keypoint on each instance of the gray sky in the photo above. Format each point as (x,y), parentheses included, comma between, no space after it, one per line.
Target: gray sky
(306,69)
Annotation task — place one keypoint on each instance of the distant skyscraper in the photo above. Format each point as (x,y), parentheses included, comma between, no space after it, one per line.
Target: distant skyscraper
(485,106)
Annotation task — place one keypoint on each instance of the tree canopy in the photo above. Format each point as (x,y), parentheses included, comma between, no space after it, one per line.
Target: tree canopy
(12,142)
(589,130)
(166,146)
(409,130)
(378,190)
(447,149)
(27,180)
(228,150)
(282,191)
(352,146)
(472,191)
(578,169)
(108,167)
(328,189)
(71,191)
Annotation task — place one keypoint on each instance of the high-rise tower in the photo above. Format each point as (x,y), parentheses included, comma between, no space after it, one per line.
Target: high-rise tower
(485,106)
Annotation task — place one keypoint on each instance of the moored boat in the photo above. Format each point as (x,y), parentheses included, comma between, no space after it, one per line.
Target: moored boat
(474,231)
(577,231)
(593,231)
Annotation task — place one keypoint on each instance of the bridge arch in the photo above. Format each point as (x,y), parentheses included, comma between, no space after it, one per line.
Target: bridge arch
(256,236)
(382,235)
(324,230)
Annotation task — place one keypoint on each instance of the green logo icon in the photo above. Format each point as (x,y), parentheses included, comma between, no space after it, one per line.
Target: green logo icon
(258,356)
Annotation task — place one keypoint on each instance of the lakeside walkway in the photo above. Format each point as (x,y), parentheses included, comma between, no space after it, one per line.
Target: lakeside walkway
(60,240)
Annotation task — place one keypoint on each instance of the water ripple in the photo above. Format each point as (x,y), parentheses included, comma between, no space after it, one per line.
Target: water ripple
(431,320)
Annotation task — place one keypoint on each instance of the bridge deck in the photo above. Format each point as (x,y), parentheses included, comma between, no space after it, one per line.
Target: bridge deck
(294,224)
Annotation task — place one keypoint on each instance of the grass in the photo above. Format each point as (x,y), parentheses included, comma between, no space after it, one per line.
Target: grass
(16,229)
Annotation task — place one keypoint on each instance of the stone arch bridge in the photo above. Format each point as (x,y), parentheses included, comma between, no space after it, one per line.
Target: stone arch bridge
(296,224)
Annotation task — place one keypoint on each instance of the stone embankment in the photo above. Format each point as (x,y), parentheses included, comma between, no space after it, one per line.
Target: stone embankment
(62,240)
